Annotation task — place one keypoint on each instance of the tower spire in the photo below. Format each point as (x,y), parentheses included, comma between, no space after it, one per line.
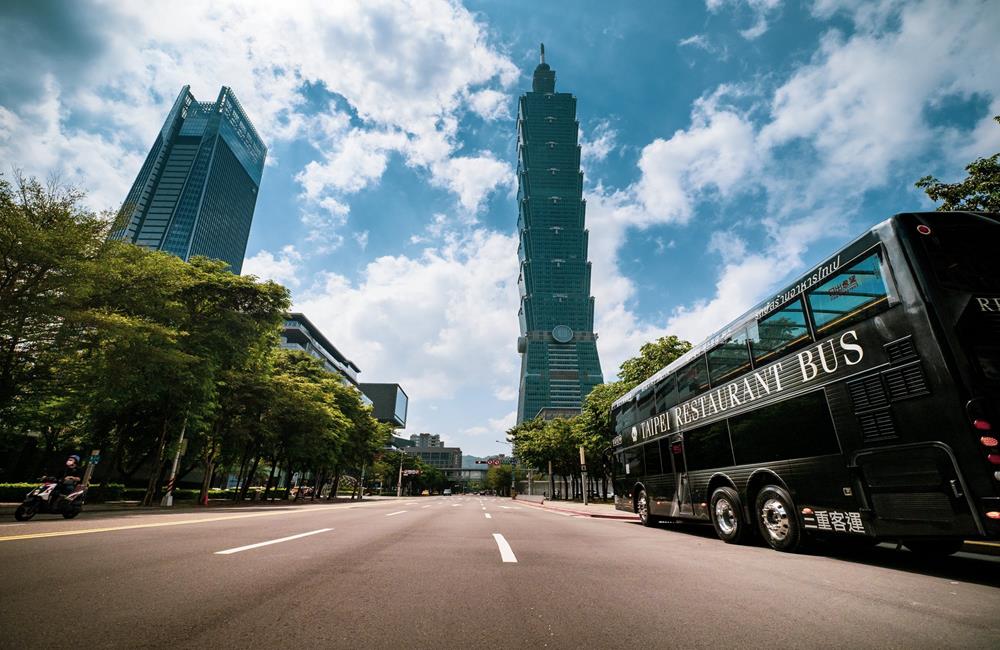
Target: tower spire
(542,57)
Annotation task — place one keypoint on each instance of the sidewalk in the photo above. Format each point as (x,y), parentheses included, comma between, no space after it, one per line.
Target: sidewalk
(135,506)
(599,510)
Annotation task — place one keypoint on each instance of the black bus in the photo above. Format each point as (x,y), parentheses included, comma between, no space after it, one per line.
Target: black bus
(862,401)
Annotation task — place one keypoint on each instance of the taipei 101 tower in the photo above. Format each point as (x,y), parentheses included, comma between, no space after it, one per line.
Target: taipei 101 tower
(558,346)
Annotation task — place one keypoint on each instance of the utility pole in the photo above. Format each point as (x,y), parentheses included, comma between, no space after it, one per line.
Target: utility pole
(361,492)
(583,474)
(399,484)
(168,498)
(552,483)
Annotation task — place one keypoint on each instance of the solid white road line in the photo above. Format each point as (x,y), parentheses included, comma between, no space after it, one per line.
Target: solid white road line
(506,554)
(393,514)
(488,515)
(238,549)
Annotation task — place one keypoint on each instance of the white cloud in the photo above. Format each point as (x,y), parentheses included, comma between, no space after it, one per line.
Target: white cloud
(284,268)
(438,323)
(596,146)
(712,156)
(406,68)
(473,178)
(759,9)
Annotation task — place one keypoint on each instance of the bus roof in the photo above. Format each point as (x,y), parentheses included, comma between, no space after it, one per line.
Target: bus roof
(773,303)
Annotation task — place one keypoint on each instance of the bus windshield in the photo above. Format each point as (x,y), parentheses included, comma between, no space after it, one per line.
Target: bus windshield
(962,250)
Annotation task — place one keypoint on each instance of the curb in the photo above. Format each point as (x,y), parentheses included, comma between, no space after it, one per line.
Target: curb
(596,515)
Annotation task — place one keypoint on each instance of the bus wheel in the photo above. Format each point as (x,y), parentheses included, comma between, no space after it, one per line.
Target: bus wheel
(642,508)
(931,547)
(727,516)
(776,519)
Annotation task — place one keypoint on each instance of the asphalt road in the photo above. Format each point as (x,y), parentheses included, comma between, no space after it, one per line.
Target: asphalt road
(465,572)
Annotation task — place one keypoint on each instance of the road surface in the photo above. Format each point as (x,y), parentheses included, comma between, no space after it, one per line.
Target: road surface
(464,572)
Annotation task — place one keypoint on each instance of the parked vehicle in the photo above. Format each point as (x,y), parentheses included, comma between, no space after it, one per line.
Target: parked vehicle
(447,493)
(48,499)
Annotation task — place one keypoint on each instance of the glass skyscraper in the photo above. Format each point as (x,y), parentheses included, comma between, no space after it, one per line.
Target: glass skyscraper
(196,191)
(558,346)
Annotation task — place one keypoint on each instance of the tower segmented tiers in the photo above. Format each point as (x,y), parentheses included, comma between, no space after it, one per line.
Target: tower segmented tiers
(196,192)
(558,346)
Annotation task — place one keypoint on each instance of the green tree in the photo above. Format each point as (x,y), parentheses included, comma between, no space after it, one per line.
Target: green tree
(980,191)
(652,356)
(48,244)
(498,479)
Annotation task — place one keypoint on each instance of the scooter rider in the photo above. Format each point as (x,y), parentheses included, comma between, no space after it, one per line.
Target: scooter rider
(69,477)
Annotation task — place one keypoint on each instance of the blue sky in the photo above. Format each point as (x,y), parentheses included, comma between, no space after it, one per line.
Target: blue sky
(728,145)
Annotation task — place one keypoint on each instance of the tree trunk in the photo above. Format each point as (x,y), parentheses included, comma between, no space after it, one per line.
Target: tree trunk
(270,478)
(154,475)
(250,475)
(239,475)
(288,481)
(336,484)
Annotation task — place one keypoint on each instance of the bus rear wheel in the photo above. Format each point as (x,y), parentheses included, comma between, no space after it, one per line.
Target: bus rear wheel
(776,519)
(727,516)
(642,509)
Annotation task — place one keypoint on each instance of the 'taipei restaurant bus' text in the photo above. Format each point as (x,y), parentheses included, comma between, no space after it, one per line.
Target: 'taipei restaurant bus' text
(821,360)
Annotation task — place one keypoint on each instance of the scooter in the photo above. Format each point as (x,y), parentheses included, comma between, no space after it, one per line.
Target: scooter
(47,499)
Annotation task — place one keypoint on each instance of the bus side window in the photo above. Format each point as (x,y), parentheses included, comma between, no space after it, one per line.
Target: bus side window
(848,295)
(795,428)
(708,447)
(651,452)
(729,359)
(782,331)
(619,464)
(666,393)
(646,408)
(633,462)
(692,379)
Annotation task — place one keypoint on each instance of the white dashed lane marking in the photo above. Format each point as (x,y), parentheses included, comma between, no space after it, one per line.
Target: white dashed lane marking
(239,549)
(506,553)
(393,514)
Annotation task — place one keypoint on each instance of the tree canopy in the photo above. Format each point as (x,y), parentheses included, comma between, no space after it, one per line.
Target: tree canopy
(978,192)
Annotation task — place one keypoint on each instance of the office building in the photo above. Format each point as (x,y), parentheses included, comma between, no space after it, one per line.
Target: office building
(558,346)
(196,192)
(298,333)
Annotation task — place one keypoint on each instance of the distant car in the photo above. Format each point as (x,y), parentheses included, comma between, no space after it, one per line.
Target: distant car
(447,493)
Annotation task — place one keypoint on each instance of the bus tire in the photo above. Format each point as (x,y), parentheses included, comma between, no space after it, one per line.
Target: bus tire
(934,547)
(777,520)
(642,509)
(727,516)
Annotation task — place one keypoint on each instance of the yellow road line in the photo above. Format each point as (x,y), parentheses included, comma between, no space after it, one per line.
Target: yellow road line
(983,543)
(161,524)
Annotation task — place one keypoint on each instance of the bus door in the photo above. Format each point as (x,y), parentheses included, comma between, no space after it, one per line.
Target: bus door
(681,501)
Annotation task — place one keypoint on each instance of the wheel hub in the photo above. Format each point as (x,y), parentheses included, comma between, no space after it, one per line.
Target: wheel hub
(775,519)
(725,516)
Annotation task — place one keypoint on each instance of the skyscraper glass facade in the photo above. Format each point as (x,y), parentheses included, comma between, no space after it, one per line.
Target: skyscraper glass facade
(559,362)
(196,191)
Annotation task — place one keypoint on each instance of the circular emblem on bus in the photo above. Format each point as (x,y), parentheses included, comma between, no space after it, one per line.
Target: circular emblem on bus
(635,434)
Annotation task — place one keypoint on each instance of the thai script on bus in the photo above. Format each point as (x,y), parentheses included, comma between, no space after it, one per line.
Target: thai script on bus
(818,275)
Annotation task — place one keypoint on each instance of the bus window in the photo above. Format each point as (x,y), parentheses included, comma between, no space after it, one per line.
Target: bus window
(779,332)
(619,464)
(848,295)
(666,393)
(707,447)
(651,454)
(645,406)
(633,462)
(692,379)
(729,359)
(796,428)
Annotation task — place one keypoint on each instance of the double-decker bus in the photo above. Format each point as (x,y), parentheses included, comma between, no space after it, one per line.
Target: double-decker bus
(862,401)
